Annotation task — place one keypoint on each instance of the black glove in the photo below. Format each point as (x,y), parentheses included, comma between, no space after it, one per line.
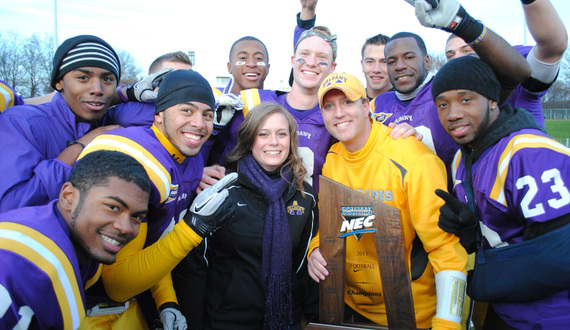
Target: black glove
(457,218)
(211,207)
(144,89)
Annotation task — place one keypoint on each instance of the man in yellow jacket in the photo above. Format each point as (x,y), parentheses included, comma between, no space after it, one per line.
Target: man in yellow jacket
(404,174)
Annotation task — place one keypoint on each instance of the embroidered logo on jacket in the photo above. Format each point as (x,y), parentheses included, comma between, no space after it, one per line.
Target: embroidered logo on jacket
(382,116)
(357,220)
(295,209)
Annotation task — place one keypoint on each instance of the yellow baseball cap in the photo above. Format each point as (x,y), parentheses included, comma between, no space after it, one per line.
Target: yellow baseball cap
(347,83)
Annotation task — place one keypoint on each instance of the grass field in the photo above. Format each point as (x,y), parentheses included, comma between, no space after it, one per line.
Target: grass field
(557,128)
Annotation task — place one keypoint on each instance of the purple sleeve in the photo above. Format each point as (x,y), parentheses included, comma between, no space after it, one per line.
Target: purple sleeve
(29,178)
(302,25)
(21,284)
(538,182)
(131,114)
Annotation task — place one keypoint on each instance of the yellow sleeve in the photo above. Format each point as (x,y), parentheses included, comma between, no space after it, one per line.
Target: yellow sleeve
(441,324)
(137,269)
(163,291)
(444,250)
(313,244)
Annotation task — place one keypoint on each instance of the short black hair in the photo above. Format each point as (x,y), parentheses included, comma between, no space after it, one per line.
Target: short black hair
(245,39)
(379,39)
(96,168)
(419,40)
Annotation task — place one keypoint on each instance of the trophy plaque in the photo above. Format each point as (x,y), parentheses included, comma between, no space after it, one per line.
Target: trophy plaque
(336,201)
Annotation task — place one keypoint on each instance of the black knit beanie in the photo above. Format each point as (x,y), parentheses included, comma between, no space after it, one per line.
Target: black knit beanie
(469,73)
(183,86)
(84,51)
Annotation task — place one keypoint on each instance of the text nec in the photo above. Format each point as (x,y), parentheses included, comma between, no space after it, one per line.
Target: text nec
(357,223)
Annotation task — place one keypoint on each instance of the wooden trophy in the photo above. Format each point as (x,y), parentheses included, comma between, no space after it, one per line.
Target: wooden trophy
(334,201)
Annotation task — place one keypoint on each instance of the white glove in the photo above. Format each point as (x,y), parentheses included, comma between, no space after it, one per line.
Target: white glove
(144,89)
(211,207)
(226,105)
(444,15)
(172,319)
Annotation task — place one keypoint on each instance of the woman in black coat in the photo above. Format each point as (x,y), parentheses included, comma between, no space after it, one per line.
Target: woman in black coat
(257,274)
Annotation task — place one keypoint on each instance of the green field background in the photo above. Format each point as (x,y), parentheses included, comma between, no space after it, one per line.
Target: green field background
(558,128)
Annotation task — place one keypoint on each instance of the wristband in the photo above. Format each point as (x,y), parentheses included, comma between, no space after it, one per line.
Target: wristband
(467,28)
(71,142)
(479,38)
(450,290)
(120,92)
(527,2)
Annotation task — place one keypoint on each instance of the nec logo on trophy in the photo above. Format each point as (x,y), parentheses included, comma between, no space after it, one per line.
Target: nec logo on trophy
(348,214)
(356,220)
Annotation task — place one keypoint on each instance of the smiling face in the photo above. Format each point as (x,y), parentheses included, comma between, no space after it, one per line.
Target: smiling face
(465,115)
(272,143)
(88,92)
(249,65)
(312,62)
(104,219)
(186,125)
(406,64)
(348,121)
(375,70)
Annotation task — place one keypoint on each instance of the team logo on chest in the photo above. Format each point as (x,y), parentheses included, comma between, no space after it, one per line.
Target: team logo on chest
(295,209)
(172,193)
(357,220)
(382,116)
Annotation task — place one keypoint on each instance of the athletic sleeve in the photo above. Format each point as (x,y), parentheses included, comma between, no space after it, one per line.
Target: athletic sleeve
(444,250)
(29,178)
(163,291)
(314,244)
(138,269)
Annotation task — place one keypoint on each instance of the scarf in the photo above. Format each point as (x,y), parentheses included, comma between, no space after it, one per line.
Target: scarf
(276,257)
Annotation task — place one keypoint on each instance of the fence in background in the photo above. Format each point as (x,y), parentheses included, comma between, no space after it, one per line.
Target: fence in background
(556,113)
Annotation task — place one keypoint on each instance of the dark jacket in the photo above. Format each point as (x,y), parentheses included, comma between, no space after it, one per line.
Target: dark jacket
(235,298)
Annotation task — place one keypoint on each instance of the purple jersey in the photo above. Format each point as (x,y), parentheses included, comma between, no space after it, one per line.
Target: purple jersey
(522,179)
(174,177)
(314,139)
(421,113)
(31,138)
(41,282)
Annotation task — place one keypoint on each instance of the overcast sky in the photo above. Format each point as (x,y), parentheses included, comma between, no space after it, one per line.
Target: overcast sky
(149,28)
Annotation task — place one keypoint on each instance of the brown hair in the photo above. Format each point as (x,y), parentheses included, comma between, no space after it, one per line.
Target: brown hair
(178,57)
(249,129)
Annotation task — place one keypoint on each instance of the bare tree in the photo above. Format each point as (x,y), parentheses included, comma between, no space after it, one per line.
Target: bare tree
(36,62)
(437,60)
(130,70)
(26,63)
(10,59)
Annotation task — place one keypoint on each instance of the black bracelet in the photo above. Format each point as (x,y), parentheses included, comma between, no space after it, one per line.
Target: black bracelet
(71,142)
(527,2)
